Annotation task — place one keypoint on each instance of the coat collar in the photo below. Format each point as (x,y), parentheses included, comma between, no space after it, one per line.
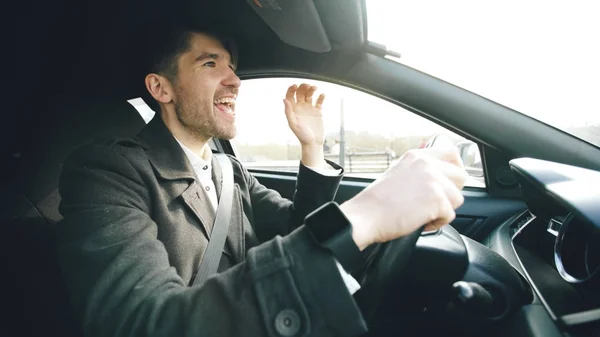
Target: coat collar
(165,154)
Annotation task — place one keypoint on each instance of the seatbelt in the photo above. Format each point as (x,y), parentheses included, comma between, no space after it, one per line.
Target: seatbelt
(210,262)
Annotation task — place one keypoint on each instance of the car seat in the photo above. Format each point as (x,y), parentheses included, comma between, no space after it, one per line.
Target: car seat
(37,301)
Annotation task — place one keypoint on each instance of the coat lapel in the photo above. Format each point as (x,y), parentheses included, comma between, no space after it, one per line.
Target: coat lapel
(172,166)
(197,201)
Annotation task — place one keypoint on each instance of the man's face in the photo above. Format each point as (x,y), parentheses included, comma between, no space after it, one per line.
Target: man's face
(205,89)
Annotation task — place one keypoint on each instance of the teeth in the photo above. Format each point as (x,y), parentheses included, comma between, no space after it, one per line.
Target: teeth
(225,100)
(229,103)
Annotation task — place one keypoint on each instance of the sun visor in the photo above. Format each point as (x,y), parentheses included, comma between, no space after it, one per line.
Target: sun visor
(296,23)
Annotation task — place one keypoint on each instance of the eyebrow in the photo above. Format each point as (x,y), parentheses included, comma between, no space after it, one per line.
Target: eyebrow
(211,56)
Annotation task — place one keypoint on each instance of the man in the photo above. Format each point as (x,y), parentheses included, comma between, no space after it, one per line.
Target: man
(138,216)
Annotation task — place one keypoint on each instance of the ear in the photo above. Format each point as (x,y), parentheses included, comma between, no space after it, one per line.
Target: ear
(159,87)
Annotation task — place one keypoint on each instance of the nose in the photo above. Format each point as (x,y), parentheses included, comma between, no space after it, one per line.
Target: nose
(232,80)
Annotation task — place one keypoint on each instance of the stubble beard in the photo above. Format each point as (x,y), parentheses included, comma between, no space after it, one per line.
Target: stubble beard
(198,118)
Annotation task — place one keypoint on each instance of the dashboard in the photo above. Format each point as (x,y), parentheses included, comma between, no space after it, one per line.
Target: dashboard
(576,250)
(555,245)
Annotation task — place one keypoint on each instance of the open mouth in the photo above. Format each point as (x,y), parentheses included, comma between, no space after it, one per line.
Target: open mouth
(226,105)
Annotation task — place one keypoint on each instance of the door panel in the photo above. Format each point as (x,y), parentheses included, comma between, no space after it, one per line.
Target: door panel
(476,218)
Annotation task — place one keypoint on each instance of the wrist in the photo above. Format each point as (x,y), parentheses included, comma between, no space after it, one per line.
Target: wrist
(360,232)
(331,229)
(312,155)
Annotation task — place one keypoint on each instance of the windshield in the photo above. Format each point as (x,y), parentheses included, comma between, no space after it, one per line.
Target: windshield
(541,58)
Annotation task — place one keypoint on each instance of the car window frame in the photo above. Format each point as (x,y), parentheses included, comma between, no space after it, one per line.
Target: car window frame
(227,147)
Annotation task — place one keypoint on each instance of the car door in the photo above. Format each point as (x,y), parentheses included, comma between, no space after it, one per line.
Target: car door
(368,135)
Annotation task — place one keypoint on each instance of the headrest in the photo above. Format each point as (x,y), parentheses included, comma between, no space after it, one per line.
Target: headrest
(79,123)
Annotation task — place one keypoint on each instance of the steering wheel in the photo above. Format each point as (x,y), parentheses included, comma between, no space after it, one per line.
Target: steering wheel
(425,269)
(383,267)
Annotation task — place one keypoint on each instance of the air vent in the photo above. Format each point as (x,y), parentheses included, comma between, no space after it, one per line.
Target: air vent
(521,222)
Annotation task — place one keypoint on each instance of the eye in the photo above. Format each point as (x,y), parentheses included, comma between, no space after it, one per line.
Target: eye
(232,67)
(210,64)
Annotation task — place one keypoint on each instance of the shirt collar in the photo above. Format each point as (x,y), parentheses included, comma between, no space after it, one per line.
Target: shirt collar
(202,165)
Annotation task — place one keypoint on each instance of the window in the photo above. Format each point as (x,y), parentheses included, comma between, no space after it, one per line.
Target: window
(533,56)
(365,132)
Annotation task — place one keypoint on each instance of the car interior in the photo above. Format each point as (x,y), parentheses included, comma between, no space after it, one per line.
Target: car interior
(520,259)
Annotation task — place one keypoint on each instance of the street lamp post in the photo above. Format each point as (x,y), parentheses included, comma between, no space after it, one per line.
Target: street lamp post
(342,134)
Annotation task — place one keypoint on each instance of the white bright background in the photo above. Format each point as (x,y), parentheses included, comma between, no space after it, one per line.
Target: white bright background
(541,58)
(260,116)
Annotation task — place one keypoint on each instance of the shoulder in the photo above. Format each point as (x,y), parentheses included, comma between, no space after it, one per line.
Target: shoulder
(119,155)
(241,175)
(109,147)
(237,165)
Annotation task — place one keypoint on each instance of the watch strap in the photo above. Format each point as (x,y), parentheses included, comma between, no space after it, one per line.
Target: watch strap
(333,231)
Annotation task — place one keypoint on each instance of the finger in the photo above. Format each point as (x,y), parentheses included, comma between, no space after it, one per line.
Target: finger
(422,159)
(457,175)
(445,153)
(433,226)
(301,93)
(309,94)
(446,215)
(430,227)
(451,191)
(289,95)
(320,101)
(289,113)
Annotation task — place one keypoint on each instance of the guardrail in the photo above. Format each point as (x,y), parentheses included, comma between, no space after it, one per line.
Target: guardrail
(365,165)
(365,162)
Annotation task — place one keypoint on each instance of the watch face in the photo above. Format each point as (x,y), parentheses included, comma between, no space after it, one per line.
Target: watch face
(326,221)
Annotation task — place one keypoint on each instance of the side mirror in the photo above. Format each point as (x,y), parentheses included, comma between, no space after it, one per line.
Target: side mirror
(439,141)
(469,153)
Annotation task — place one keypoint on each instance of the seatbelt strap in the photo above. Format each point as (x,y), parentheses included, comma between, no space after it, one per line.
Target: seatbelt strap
(210,262)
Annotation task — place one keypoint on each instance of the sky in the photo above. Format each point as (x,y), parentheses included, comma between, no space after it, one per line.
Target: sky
(541,58)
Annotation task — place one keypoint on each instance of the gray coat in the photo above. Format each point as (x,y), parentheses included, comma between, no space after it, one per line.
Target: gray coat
(137,222)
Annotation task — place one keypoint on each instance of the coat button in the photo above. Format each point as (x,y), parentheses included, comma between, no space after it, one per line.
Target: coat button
(207,188)
(205,167)
(287,323)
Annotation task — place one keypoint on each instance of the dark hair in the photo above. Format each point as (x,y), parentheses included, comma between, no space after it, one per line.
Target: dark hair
(162,44)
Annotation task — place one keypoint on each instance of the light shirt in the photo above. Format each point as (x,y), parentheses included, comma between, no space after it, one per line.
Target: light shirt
(203,168)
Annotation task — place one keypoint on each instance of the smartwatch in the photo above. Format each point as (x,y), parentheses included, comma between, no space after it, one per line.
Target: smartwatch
(331,229)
